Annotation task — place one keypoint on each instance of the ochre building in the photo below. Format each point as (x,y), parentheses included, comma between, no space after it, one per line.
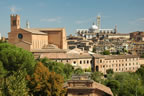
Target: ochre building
(35,38)
(75,57)
(119,63)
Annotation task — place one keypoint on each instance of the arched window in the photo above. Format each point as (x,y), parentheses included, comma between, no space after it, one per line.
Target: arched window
(14,22)
(74,62)
(80,62)
(97,68)
(100,61)
(87,61)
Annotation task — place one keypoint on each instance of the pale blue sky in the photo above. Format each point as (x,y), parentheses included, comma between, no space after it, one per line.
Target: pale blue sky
(74,14)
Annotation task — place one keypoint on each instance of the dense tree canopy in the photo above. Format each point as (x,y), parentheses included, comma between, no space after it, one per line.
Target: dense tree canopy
(17,84)
(3,72)
(48,77)
(66,70)
(114,85)
(45,83)
(78,71)
(109,71)
(97,77)
(123,83)
(14,59)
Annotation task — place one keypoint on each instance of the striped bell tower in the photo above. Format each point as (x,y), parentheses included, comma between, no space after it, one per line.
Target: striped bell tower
(99,21)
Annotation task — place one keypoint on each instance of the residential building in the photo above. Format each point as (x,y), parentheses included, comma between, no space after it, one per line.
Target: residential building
(119,63)
(137,36)
(138,48)
(75,57)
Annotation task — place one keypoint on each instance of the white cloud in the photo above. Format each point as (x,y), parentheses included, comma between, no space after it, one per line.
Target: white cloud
(14,9)
(56,20)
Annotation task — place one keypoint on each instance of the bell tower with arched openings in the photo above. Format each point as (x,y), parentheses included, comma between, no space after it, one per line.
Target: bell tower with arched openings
(15,22)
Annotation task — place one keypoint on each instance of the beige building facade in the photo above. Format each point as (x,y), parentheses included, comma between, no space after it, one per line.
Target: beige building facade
(119,63)
(74,57)
(35,38)
(126,36)
(95,62)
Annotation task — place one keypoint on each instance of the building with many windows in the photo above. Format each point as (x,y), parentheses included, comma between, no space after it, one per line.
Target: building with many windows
(96,62)
(137,36)
(119,63)
(75,57)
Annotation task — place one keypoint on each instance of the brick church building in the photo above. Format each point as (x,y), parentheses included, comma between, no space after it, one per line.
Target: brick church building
(35,38)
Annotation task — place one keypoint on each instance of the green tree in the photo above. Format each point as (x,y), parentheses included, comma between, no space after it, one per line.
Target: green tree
(131,85)
(106,52)
(45,83)
(97,77)
(109,71)
(68,70)
(14,58)
(16,84)
(114,85)
(109,74)
(88,69)
(78,71)
(3,72)
(56,82)
(140,72)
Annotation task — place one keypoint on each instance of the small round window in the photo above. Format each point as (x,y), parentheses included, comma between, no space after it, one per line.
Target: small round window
(20,36)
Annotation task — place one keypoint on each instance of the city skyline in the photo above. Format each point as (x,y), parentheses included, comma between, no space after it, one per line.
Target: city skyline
(72,15)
